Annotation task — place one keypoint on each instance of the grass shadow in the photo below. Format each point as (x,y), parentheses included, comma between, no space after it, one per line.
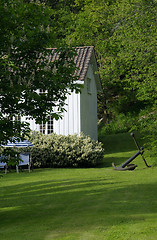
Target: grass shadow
(122,142)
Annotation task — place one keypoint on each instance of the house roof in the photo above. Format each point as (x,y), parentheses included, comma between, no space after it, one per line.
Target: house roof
(84,56)
(82,59)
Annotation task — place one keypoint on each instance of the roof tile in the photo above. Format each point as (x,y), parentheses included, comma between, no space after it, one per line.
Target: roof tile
(82,59)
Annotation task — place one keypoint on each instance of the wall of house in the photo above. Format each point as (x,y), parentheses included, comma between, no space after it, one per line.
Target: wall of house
(70,122)
(88,105)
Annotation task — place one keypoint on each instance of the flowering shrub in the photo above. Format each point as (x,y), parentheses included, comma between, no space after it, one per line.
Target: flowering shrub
(65,151)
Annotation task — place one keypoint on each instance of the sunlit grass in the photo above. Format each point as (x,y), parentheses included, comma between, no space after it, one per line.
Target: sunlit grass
(80,204)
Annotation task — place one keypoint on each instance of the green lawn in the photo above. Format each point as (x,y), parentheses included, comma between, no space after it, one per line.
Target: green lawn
(81,204)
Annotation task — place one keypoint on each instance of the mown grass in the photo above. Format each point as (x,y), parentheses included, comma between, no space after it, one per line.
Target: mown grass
(81,204)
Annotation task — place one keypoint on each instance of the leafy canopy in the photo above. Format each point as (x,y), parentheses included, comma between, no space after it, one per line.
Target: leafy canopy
(26,30)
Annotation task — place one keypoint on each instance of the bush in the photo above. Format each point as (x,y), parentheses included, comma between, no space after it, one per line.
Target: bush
(65,151)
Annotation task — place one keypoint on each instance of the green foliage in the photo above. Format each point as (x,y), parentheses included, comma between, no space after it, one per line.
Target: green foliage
(26,30)
(65,151)
(124,36)
(120,124)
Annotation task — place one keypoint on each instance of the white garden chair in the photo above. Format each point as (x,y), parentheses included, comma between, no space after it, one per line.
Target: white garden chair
(25,161)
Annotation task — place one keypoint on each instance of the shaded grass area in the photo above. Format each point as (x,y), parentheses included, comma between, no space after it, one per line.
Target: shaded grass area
(120,147)
(80,204)
(122,142)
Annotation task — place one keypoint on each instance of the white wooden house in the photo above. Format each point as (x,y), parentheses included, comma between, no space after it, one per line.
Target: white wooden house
(81,108)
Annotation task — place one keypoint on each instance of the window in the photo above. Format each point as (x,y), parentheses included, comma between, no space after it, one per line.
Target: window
(42,128)
(47,128)
(42,91)
(15,118)
(50,125)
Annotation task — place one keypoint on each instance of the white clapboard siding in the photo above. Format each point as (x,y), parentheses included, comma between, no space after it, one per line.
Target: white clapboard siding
(70,121)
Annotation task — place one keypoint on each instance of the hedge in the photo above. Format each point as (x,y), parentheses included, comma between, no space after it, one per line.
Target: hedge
(65,151)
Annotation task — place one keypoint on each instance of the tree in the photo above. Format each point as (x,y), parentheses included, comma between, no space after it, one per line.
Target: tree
(26,30)
(124,35)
